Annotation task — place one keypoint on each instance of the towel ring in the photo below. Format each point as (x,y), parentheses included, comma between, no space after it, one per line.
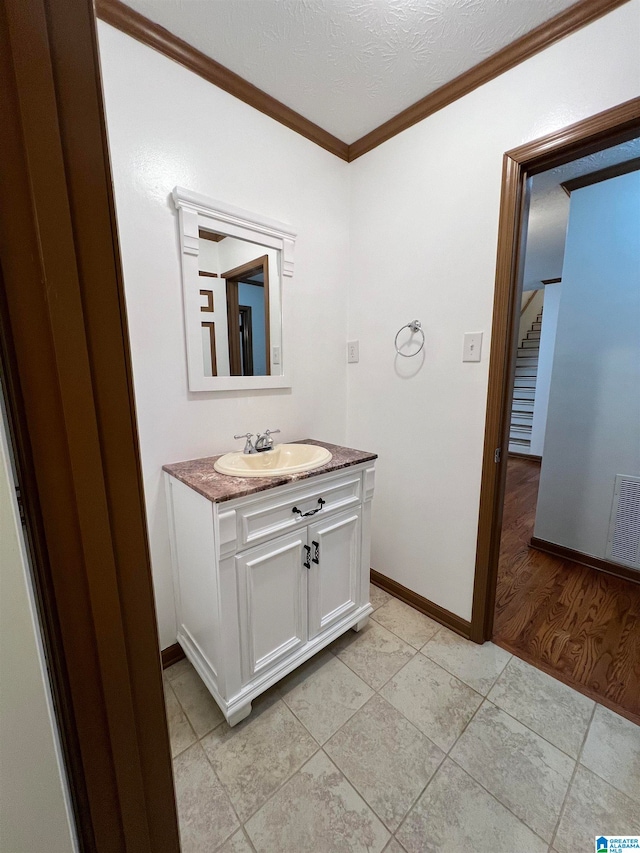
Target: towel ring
(415,326)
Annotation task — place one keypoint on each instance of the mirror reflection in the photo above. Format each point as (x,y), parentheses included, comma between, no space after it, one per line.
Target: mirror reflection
(239,306)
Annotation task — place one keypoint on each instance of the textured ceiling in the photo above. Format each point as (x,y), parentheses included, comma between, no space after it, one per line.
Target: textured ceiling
(349,65)
(549,211)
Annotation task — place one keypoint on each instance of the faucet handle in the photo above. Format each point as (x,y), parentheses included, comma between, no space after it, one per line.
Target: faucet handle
(264,441)
(248,447)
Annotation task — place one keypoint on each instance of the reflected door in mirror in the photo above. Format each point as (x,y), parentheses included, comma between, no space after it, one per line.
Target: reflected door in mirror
(247,289)
(237,300)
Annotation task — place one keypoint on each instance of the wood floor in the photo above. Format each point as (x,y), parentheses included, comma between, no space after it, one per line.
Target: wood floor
(578,624)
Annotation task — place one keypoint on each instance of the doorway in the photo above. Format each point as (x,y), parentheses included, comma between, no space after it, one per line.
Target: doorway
(247,292)
(571,620)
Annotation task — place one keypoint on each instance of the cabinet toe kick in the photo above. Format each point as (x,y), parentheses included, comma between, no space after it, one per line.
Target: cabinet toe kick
(238,714)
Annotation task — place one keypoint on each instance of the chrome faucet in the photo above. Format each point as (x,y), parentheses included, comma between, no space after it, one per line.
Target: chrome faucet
(265,442)
(248,448)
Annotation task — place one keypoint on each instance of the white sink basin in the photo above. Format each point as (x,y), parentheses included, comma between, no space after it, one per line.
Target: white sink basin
(283,459)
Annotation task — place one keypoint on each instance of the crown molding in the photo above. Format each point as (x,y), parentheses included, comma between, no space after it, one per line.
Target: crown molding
(134,24)
(543,36)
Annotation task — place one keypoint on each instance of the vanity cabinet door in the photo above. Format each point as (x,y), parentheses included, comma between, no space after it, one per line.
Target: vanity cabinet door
(335,568)
(273,606)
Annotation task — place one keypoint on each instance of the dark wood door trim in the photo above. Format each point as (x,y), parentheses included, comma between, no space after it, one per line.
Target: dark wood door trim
(615,125)
(233,330)
(246,270)
(233,277)
(70,398)
(246,339)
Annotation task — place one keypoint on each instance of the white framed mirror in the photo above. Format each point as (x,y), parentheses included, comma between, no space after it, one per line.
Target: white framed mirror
(233,266)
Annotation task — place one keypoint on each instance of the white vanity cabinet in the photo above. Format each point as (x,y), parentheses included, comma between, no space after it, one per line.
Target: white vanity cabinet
(264,581)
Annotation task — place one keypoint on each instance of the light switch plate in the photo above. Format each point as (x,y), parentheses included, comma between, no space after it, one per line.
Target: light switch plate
(353,352)
(472,346)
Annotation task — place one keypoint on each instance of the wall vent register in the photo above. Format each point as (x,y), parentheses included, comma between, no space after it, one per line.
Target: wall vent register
(623,544)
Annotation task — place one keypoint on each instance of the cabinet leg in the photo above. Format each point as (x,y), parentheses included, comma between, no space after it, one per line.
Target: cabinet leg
(361,624)
(239,714)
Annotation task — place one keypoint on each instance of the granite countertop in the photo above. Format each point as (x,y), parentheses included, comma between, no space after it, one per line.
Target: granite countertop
(201,476)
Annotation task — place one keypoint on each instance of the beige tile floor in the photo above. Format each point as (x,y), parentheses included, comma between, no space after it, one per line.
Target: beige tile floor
(403,738)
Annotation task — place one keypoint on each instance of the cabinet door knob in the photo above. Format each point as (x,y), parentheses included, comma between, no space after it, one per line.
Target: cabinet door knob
(316,553)
(307,564)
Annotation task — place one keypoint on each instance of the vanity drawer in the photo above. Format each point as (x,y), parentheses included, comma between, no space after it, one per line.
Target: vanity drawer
(266,517)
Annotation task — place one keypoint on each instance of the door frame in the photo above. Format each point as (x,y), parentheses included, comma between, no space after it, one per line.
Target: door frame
(234,277)
(577,140)
(246,339)
(67,377)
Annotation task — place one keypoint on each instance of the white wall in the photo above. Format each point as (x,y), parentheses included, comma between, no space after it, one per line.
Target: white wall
(424,218)
(166,127)
(423,215)
(594,403)
(34,814)
(551,306)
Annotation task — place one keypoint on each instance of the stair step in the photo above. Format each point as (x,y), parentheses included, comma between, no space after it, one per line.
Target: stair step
(522,430)
(525,388)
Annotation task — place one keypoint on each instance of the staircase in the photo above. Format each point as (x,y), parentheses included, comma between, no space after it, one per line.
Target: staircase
(524,389)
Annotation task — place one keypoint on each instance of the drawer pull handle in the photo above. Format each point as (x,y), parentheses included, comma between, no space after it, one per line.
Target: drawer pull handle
(311,511)
(316,553)
(307,564)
